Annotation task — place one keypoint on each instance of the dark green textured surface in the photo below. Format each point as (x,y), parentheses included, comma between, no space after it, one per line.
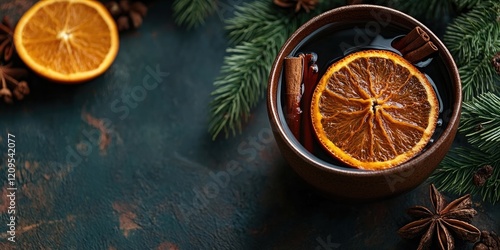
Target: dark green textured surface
(142,190)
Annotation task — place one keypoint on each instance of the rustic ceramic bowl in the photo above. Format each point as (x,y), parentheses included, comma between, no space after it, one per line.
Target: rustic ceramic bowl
(349,183)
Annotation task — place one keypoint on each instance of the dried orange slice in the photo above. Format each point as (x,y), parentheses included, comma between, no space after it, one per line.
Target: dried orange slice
(67,41)
(374,110)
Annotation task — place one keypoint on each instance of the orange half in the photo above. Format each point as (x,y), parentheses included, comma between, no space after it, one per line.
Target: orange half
(374,110)
(67,41)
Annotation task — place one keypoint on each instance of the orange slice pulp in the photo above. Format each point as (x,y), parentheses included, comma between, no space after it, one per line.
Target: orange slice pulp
(374,110)
(67,41)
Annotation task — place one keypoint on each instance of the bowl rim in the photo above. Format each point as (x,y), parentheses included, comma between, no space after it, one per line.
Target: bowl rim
(295,39)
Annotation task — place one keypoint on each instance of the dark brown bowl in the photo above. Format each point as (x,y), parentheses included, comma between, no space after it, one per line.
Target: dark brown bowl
(349,183)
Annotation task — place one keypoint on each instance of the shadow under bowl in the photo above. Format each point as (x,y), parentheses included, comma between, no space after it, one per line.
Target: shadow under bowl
(347,183)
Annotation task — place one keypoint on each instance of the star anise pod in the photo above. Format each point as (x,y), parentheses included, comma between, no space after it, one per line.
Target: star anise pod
(307,5)
(440,225)
(6,40)
(11,86)
(126,14)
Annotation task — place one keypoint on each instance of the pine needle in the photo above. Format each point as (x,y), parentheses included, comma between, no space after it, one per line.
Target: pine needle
(478,77)
(480,122)
(474,33)
(456,173)
(474,38)
(261,22)
(193,13)
(242,82)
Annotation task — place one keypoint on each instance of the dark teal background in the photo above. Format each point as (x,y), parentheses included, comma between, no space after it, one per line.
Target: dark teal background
(156,180)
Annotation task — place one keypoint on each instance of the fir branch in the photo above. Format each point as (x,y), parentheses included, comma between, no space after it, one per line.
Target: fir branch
(480,122)
(244,73)
(456,172)
(265,19)
(241,83)
(193,12)
(478,76)
(245,25)
(474,38)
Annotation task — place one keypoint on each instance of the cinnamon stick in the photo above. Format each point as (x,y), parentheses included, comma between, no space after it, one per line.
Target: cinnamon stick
(415,46)
(421,53)
(310,81)
(415,38)
(293,67)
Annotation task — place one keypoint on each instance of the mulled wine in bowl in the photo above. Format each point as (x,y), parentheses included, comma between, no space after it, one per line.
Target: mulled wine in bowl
(312,77)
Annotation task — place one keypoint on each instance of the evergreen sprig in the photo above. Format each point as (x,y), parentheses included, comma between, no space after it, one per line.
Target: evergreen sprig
(478,77)
(480,123)
(474,38)
(457,170)
(257,19)
(257,31)
(474,33)
(192,13)
(242,83)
